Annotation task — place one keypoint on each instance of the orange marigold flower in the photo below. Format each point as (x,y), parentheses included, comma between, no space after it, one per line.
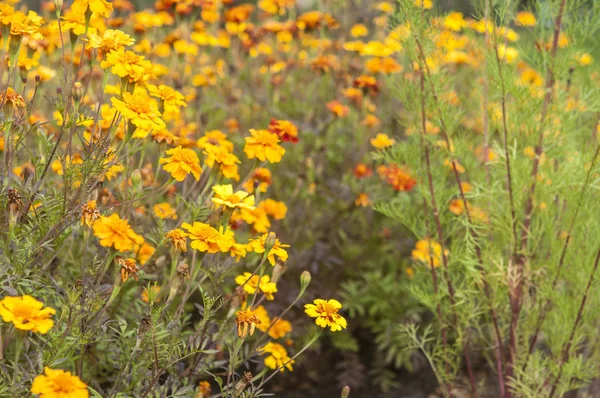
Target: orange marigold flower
(27,313)
(128,268)
(116,232)
(284,129)
(263,145)
(177,239)
(183,161)
(280,328)
(246,321)
(326,312)
(205,238)
(362,170)
(337,108)
(164,210)
(59,383)
(12,97)
(397,177)
(89,213)
(260,179)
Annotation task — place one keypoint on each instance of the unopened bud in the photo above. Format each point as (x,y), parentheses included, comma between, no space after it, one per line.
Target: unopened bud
(345,392)
(136,179)
(77,91)
(277,271)
(270,242)
(304,281)
(58,5)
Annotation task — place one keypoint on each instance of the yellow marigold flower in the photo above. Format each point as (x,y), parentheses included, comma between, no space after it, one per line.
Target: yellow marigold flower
(260,179)
(525,18)
(251,284)
(109,40)
(183,161)
(207,239)
(204,389)
(144,252)
(237,250)
(584,59)
(225,197)
(265,320)
(25,25)
(258,246)
(172,99)
(275,6)
(177,239)
(426,4)
(27,313)
(139,110)
(128,268)
(326,312)
(507,54)
(57,383)
(454,21)
(116,232)
(278,357)
(382,141)
(280,328)
(214,137)
(246,321)
(429,252)
(257,218)
(89,213)
(164,210)
(127,64)
(273,208)
(101,7)
(227,161)
(264,145)
(359,30)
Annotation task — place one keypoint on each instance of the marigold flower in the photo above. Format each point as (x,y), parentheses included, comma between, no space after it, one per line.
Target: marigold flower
(258,246)
(144,252)
(12,97)
(177,239)
(280,328)
(225,197)
(164,210)
(397,177)
(214,137)
(205,238)
(172,99)
(101,7)
(116,232)
(183,161)
(59,383)
(89,213)
(363,200)
(525,18)
(263,145)
(260,179)
(227,161)
(382,141)
(278,357)
(251,284)
(127,64)
(337,108)
(204,389)
(139,110)
(429,252)
(128,268)
(109,40)
(27,313)
(273,208)
(326,312)
(284,129)
(246,321)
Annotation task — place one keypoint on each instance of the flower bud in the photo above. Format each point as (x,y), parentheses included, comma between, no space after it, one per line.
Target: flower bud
(58,5)
(277,271)
(270,242)
(345,392)
(304,281)
(136,179)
